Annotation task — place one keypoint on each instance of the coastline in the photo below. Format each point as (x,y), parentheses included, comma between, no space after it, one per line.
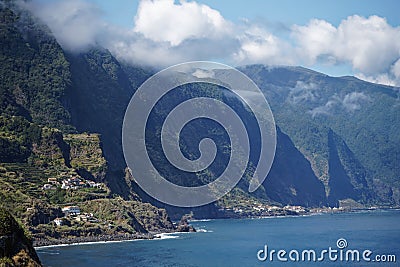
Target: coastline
(106,239)
(42,243)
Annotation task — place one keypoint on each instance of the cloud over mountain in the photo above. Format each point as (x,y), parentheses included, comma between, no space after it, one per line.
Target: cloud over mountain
(350,102)
(76,24)
(165,32)
(370,45)
(303,92)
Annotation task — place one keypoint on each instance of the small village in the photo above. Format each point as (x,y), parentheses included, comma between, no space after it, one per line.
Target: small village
(74,213)
(257,209)
(73,182)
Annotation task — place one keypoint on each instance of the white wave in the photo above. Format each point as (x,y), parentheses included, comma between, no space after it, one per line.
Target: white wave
(201,230)
(163,236)
(86,243)
(200,220)
(158,237)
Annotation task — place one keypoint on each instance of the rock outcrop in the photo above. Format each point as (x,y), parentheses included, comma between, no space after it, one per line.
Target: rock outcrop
(15,247)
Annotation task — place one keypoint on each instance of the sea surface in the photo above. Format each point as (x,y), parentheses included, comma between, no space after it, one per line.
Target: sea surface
(236,242)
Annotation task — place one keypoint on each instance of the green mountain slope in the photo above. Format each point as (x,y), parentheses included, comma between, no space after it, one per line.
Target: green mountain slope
(48,158)
(35,74)
(309,105)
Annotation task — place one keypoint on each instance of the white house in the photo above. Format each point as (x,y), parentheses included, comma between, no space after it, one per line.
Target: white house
(52,181)
(47,187)
(59,221)
(71,210)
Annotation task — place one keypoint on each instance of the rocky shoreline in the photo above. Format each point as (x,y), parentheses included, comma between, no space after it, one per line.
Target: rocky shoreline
(72,237)
(42,242)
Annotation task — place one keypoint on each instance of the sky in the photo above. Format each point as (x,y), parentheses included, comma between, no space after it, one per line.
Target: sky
(353,37)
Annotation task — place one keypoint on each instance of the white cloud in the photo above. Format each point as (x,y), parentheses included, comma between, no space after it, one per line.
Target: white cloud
(134,48)
(258,45)
(315,39)
(395,69)
(201,74)
(370,45)
(166,32)
(165,21)
(303,92)
(76,24)
(325,109)
(380,78)
(389,78)
(351,102)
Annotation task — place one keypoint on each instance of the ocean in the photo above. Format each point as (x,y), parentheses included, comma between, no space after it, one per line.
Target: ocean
(341,239)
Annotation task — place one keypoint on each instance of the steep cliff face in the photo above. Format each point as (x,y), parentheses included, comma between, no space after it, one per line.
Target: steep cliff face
(98,97)
(308,105)
(15,247)
(100,92)
(347,177)
(291,179)
(35,69)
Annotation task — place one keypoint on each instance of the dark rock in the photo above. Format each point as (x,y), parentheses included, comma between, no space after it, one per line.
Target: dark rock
(42,214)
(15,247)
(184,226)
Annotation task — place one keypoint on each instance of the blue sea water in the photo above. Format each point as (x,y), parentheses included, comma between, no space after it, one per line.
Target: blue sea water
(235,242)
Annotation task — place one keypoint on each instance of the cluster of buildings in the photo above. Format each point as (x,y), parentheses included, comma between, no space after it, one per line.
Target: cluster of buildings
(298,209)
(70,183)
(258,209)
(275,209)
(74,213)
(71,211)
(267,208)
(271,209)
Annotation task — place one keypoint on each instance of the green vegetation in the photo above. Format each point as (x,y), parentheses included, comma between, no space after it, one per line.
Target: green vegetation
(35,74)
(308,105)
(86,154)
(16,138)
(60,138)
(22,182)
(133,216)
(16,248)
(45,164)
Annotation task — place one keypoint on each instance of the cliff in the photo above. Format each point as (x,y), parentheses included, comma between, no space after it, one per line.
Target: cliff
(15,247)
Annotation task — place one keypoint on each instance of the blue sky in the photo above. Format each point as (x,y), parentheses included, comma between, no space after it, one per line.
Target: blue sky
(121,12)
(337,37)
(290,12)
